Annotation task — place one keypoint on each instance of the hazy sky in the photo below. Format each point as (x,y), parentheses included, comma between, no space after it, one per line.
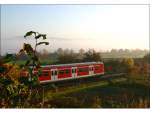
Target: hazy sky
(101,27)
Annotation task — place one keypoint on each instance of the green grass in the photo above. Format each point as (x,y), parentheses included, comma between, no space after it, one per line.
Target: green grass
(82,87)
(117,93)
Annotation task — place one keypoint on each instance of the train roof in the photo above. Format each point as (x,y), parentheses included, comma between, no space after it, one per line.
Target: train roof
(72,64)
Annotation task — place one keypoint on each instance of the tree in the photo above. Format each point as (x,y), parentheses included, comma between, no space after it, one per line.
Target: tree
(92,55)
(113,66)
(60,51)
(81,55)
(9,86)
(113,51)
(146,68)
(32,54)
(146,58)
(128,64)
(12,91)
(146,64)
(67,56)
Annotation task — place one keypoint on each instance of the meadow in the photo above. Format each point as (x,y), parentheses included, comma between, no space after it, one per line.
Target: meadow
(119,93)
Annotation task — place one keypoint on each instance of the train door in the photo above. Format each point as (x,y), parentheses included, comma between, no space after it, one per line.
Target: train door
(74,72)
(54,74)
(91,70)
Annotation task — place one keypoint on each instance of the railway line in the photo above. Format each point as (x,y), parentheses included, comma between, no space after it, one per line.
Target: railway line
(60,77)
(51,90)
(60,88)
(64,85)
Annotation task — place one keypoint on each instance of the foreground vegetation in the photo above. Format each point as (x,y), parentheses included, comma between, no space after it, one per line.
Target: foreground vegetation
(132,92)
(117,94)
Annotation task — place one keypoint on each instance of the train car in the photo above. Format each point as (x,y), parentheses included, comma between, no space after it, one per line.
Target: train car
(53,73)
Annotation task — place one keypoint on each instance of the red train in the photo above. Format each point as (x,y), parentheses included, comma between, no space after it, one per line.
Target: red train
(52,73)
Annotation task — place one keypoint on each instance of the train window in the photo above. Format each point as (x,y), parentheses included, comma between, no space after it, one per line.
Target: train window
(52,73)
(45,73)
(73,70)
(61,72)
(67,71)
(83,69)
(55,73)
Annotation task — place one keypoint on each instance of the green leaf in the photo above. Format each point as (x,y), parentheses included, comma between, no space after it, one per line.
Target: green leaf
(10,89)
(6,81)
(29,33)
(34,81)
(35,58)
(39,72)
(3,69)
(37,37)
(30,71)
(27,62)
(44,37)
(28,48)
(21,51)
(46,43)
(35,78)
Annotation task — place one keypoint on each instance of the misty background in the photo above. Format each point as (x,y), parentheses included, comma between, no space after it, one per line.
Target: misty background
(100,27)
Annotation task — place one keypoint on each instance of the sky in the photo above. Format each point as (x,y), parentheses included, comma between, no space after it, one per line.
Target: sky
(101,27)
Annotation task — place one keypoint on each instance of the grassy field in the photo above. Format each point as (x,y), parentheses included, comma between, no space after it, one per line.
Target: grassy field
(133,92)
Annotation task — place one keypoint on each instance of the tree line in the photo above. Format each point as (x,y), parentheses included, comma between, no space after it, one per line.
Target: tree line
(63,56)
(70,56)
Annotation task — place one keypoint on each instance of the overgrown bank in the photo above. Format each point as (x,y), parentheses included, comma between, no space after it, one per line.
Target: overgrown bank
(124,94)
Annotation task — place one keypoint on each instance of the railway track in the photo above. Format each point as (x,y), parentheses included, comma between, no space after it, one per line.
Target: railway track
(62,85)
(51,90)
